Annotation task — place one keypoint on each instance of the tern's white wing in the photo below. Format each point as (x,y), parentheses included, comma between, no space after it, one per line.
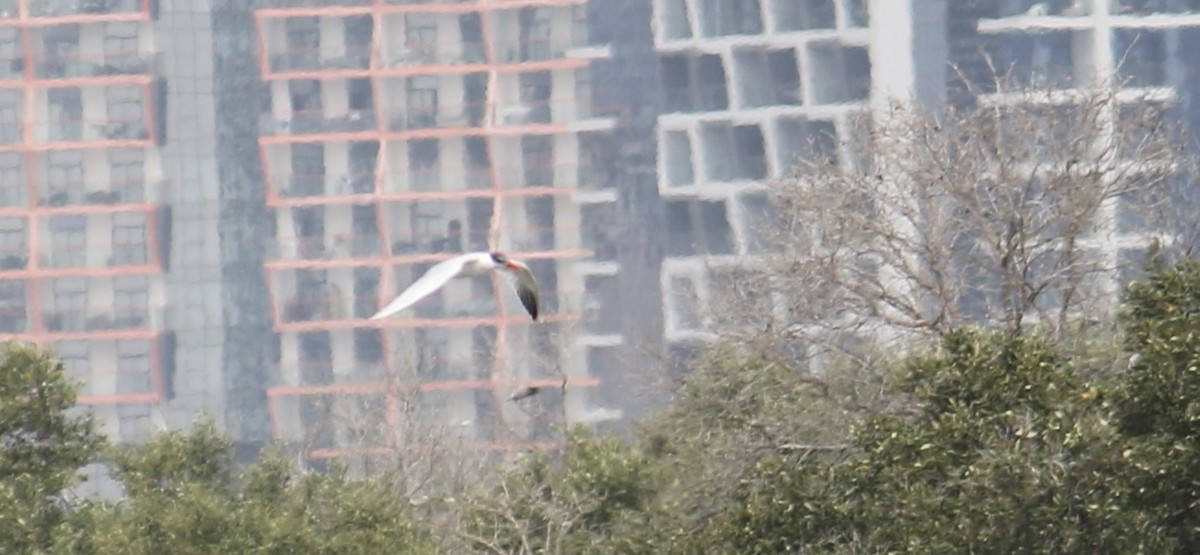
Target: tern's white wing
(434,279)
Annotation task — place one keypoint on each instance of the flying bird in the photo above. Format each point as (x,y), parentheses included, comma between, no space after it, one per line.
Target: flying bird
(474,264)
(523,393)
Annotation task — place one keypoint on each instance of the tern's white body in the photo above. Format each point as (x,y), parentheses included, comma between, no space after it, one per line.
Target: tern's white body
(475,264)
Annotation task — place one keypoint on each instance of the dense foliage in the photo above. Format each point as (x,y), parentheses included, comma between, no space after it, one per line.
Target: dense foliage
(989,443)
(42,445)
(183,494)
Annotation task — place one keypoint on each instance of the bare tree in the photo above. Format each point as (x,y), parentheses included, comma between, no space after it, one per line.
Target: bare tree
(1009,213)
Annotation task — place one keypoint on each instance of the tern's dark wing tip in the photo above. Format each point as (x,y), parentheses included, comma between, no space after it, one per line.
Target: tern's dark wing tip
(529,299)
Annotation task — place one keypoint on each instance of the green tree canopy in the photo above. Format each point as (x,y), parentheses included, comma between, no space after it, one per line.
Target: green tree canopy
(184,494)
(1157,402)
(44,441)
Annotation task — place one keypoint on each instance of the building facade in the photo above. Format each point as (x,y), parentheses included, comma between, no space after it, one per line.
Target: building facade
(400,134)
(85,230)
(204,201)
(751,86)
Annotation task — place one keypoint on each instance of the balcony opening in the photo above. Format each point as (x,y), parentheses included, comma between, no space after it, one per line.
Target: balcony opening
(537,160)
(759,220)
(840,73)
(422,101)
(733,153)
(12,108)
(539,214)
(857,13)
(751,152)
(475,151)
(75,356)
(591,101)
(12,179)
(479,223)
(308,224)
(11,59)
(536,90)
(754,77)
(133,377)
(303,45)
(361,94)
(426,222)
(307,111)
(584,30)
(677,83)
(129,244)
(14,308)
(476,163)
(452,241)
(308,170)
(131,302)
(719,156)
(730,17)
(126,114)
(710,83)
(421,38)
(68,240)
(316,358)
(65,114)
(685,298)
(1038,60)
(470,27)
(368,346)
(359,36)
(678,158)
(805,15)
(122,52)
(68,305)
(768,78)
(714,228)
(474,97)
(681,239)
(423,160)
(366,293)
(365,231)
(1143,57)
(64,178)
(14,253)
(784,70)
(674,19)
(126,175)
(535,27)
(61,57)
(799,141)
(364,159)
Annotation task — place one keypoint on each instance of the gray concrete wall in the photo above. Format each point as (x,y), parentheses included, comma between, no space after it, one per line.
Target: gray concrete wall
(631,77)
(183,35)
(245,224)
